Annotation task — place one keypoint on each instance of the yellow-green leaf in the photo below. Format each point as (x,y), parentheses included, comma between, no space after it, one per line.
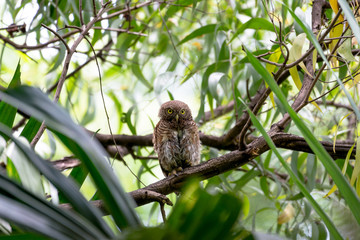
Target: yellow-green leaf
(356,170)
(345,48)
(335,32)
(271,68)
(333,189)
(296,51)
(295,54)
(336,129)
(287,214)
(335,7)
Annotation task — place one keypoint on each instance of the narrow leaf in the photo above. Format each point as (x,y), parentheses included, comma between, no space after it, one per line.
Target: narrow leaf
(7,111)
(255,23)
(295,54)
(348,155)
(28,210)
(314,41)
(346,190)
(356,171)
(135,67)
(29,175)
(30,129)
(15,81)
(271,68)
(90,152)
(211,28)
(67,187)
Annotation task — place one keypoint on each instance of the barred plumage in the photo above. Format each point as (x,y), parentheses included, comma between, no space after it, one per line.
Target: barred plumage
(176,138)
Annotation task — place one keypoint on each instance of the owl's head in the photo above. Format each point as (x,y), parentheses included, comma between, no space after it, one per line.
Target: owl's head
(175,111)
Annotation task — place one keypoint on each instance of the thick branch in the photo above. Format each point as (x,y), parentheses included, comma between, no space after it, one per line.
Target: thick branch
(244,122)
(308,81)
(224,163)
(66,163)
(139,196)
(293,142)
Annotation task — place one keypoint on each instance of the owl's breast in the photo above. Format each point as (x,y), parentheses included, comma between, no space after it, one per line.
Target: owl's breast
(180,134)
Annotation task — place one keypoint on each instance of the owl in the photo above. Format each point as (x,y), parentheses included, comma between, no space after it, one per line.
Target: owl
(176,138)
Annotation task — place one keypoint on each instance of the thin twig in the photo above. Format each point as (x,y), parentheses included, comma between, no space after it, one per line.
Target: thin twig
(107,114)
(56,34)
(66,67)
(172,41)
(332,89)
(72,27)
(124,11)
(122,31)
(94,7)
(80,13)
(19,124)
(36,47)
(162,210)
(99,54)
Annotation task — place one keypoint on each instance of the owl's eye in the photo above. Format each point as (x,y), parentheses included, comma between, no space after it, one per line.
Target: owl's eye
(170,111)
(182,111)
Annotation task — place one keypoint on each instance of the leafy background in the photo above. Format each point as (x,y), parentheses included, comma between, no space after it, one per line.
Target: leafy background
(95,70)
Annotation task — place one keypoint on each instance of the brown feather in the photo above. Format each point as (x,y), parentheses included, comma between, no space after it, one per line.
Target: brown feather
(176,141)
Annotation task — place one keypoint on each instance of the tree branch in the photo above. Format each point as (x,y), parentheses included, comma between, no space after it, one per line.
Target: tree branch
(26,47)
(66,66)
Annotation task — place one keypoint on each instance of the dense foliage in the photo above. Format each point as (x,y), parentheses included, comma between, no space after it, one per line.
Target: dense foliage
(272,85)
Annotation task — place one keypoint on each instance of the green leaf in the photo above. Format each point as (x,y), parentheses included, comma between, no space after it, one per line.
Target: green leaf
(23,236)
(216,67)
(90,152)
(68,188)
(255,23)
(265,186)
(213,84)
(11,171)
(26,210)
(118,109)
(350,19)
(15,81)
(173,63)
(171,97)
(211,28)
(7,115)
(345,49)
(311,171)
(177,6)
(30,176)
(193,216)
(59,58)
(97,34)
(91,110)
(78,174)
(314,41)
(30,129)
(128,120)
(7,111)
(316,147)
(246,178)
(135,67)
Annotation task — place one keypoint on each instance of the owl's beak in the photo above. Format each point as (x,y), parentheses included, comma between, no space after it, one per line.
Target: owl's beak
(177,118)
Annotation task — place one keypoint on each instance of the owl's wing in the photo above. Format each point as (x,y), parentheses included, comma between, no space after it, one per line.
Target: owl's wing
(155,137)
(165,172)
(191,145)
